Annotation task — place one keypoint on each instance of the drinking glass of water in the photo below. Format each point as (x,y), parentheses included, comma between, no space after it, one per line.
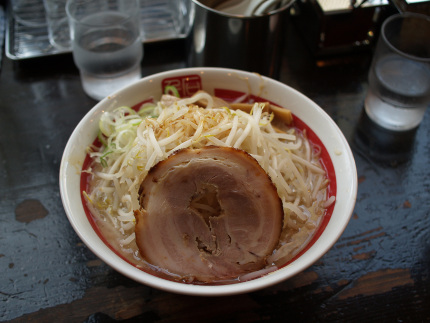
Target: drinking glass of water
(399,77)
(106,43)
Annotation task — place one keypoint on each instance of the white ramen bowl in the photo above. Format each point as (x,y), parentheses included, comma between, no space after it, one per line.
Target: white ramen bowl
(213,80)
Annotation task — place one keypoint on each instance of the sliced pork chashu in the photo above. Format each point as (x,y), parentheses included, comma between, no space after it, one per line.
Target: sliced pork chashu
(208,214)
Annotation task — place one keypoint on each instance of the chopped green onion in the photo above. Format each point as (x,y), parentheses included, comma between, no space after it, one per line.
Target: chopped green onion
(170,89)
(103,160)
(147,111)
(128,109)
(101,138)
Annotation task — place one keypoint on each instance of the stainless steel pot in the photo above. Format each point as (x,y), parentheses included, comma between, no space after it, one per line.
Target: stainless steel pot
(251,43)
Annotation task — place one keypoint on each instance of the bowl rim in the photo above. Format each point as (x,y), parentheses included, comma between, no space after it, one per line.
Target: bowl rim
(96,245)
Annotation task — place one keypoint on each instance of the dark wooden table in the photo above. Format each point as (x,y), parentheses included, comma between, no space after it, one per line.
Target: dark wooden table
(379,270)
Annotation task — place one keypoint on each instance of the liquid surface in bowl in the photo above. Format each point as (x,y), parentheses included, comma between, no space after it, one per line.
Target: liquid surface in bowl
(304,216)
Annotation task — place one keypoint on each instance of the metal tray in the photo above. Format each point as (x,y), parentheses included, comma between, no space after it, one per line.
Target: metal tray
(29,40)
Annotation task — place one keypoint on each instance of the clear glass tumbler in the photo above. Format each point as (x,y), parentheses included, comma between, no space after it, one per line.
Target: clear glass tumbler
(399,77)
(106,43)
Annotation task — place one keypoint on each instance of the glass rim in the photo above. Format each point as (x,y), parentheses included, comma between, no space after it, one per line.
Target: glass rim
(419,16)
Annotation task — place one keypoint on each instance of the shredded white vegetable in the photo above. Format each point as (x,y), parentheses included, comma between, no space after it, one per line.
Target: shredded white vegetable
(136,141)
